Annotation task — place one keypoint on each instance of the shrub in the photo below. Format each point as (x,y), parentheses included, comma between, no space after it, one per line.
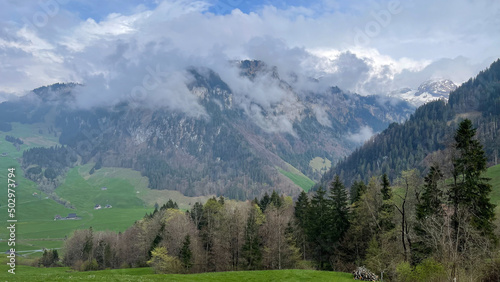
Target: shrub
(491,271)
(163,263)
(427,271)
(89,265)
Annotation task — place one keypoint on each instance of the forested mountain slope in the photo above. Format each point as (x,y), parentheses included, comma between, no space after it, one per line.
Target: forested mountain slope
(237,144)
(429,130)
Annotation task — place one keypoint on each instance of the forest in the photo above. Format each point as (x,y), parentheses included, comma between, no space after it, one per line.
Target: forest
(431,228)
(421,139)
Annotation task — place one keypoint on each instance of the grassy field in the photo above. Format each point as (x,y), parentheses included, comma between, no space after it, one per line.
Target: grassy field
(126,192)
(27,273)
(299,179)
(320,165)
(494,174)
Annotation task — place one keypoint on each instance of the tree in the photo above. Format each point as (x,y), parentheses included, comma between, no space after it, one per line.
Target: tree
(162,262)
(339,218)
(358,188)
(429,210)
(301,215)
(279,250)
(469,189)
(386,190)
(49,258)
(251,250)
(264,202)
(386,214)
(186,254)
(431,199)
(317,232)
(197,214)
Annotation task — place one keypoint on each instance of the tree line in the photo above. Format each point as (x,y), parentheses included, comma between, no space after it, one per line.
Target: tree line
(413,229)
(418,142)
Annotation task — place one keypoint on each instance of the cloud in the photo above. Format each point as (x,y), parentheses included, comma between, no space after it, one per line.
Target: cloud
(108,48)
(364,134)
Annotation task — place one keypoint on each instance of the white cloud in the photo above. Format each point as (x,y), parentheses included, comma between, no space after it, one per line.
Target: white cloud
(114,51)
(364,134)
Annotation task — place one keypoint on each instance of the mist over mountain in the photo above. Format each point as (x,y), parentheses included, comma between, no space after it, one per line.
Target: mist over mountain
(424,139)
(237,134)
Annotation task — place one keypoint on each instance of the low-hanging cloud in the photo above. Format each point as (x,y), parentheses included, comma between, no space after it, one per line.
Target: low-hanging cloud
(364,134)
(311,46)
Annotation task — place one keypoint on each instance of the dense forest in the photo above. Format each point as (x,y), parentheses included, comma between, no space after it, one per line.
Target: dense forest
(47,167)
(421,140)
(413,229)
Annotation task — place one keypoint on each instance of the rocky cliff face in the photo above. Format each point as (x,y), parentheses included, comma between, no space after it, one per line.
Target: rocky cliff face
(240,147)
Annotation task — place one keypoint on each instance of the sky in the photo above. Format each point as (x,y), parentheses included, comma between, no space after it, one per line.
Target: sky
(120,49)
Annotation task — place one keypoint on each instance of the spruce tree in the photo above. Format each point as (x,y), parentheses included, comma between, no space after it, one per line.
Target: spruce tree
(431,199)
(317,230)
(339,217)
(469,191)
(386,214)
(301,215)
(357,189)
(301,209)
(386,191)
(251,250)
(186,255)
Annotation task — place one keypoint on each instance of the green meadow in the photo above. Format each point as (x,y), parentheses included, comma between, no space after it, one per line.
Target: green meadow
(126,192)
(298,178)
(27,273)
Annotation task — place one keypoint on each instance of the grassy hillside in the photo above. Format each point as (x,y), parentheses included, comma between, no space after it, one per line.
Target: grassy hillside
(127,192)
(26,273)
(320,165)
(299,179)
(494,174)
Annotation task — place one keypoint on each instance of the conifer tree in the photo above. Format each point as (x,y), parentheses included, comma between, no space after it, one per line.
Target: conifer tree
(251,250)
(301,212)
(357,189)
(470,191)
(317,231)
(431,199)
(186,254)
(387,209)
(340,211)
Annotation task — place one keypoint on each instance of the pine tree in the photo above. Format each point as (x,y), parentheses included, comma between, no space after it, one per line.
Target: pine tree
(275,199)
(340,211)
(431,199)
(264,202)
(251,250)
(185,254)
(386,214)
(317,231)
(386,191)
(357,189)
(469,190)
(301,215)
(301,209)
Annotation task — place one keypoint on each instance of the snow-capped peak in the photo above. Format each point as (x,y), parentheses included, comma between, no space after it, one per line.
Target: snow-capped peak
(428,91)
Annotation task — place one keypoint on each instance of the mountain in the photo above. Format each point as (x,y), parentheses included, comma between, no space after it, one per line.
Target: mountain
(239,147)
(428,91)
(423,139)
